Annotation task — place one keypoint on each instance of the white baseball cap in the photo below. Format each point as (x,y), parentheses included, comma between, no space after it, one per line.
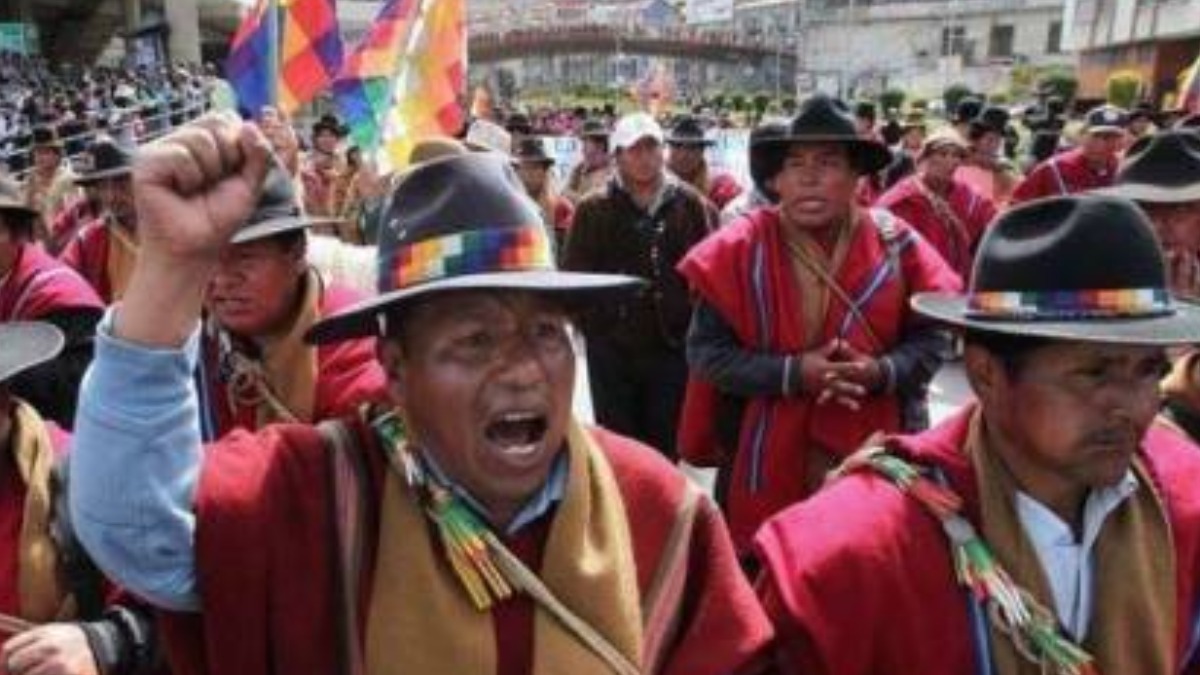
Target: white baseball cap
(633,128)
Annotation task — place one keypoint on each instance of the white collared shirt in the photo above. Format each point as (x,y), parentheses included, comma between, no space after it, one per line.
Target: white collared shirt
(1068,563)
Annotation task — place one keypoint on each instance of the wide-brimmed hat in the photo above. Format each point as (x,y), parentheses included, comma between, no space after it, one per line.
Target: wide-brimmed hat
(531,150)
(105,158)
(968,109)
(991,118)
(942,138)
(1105,119)
(823,119)
(486,135)
(45,136)
(594,129)
(765,158)
(1081,268)
(1161,168)
(12,201)
(463,222)
(688,132)
(330,123)
(518,123)
(25,344)
(1189,123)
(278,209)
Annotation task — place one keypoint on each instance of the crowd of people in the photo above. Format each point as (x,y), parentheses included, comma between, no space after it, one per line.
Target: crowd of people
(264,410)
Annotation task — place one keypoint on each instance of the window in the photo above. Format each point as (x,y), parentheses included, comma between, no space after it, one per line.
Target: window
(953,40)
(1000,43)
(1054,38)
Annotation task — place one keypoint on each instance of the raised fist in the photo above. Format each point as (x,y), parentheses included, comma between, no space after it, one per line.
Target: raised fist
(194,187)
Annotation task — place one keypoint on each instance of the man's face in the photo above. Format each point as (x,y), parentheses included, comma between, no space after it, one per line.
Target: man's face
(941,164)
(46,159)
(1177,225)
(1071,416)
(685,161)
(865,126)
(912,139)
(484,379)
(595,153)
(1103,147)
(116,197)
(989,144)
(641,165)
(816,185)
(325,141)
(256,287)
(533,176)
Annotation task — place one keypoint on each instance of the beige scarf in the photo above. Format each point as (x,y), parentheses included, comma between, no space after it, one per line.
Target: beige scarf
(122,256)
(41,595)
(815,271)
(1132,629)
(421,620)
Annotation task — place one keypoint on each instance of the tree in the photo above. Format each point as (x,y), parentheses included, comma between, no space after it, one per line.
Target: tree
(789,106)
(1059,83)
(761,103)
(892,99)
(953,94)
(1123,88)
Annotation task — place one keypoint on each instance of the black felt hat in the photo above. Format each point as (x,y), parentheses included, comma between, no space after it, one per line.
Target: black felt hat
(278,209)
(25,344)
(462,222)
(991,118)
(823,119)
(968,109)
(1080,268)
(1162,168)
(594,129)
(46,136)
(687,132)
(105,158)
(765,157)
(329,123)
(531,150)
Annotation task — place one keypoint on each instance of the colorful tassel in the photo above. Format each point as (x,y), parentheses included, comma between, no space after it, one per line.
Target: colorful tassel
(462,532)
(1016,613)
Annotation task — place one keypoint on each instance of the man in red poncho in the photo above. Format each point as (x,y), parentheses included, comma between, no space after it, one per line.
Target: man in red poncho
(803,344)
(1053,526)
(945,210)
(473,528)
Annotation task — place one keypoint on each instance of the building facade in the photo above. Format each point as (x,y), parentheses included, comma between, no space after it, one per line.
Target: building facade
(1157,39)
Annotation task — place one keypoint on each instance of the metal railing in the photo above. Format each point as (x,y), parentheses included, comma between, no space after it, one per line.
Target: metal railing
(130,118)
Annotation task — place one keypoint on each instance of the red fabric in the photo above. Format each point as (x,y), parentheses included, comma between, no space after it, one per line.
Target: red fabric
(721,270)
(12,512)
(722,189)
(68,221)
(859,579)
(39,285)
(564,213)
(348,373)
(88,254)
(264,552)
(908,201)
(1063,174)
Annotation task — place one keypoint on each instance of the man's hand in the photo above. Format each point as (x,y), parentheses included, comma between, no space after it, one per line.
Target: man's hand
(196,186)
(52,649)
(193,189)
(840,373)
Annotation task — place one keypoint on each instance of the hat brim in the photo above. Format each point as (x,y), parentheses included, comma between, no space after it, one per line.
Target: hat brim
(18,208)
(545,161)
(690,142)
(97,176)
(1142,192)
(1105,129)
(869,156)
(276,226)
(1180,327)
(576,289)
(27,344)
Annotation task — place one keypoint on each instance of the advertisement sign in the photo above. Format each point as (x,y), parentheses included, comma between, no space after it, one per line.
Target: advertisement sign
(708,11)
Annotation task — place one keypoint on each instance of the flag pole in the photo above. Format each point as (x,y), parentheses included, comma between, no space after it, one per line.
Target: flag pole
(273,58)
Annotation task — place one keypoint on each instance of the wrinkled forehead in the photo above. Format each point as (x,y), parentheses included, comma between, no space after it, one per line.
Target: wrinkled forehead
(437,313)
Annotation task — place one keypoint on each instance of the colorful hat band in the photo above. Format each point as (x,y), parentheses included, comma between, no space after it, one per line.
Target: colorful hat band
(1066,305)
(512,249)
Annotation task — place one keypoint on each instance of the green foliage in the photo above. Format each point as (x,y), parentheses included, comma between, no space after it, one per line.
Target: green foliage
(892,99)
(738,102)
(1001,97)
(1061,83)
(953,94)
(789,106)
(1123,88)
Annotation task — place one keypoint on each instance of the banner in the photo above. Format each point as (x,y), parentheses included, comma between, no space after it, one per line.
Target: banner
(708,11)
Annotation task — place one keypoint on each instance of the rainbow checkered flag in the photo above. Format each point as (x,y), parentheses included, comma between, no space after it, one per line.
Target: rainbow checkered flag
(311,51)
(364,88)
(430,84)
(1189,88)
(252,65)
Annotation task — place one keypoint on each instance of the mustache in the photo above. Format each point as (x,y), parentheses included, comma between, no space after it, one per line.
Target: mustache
(1124,435)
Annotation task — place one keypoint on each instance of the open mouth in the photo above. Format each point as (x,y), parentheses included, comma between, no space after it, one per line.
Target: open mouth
(517,432)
